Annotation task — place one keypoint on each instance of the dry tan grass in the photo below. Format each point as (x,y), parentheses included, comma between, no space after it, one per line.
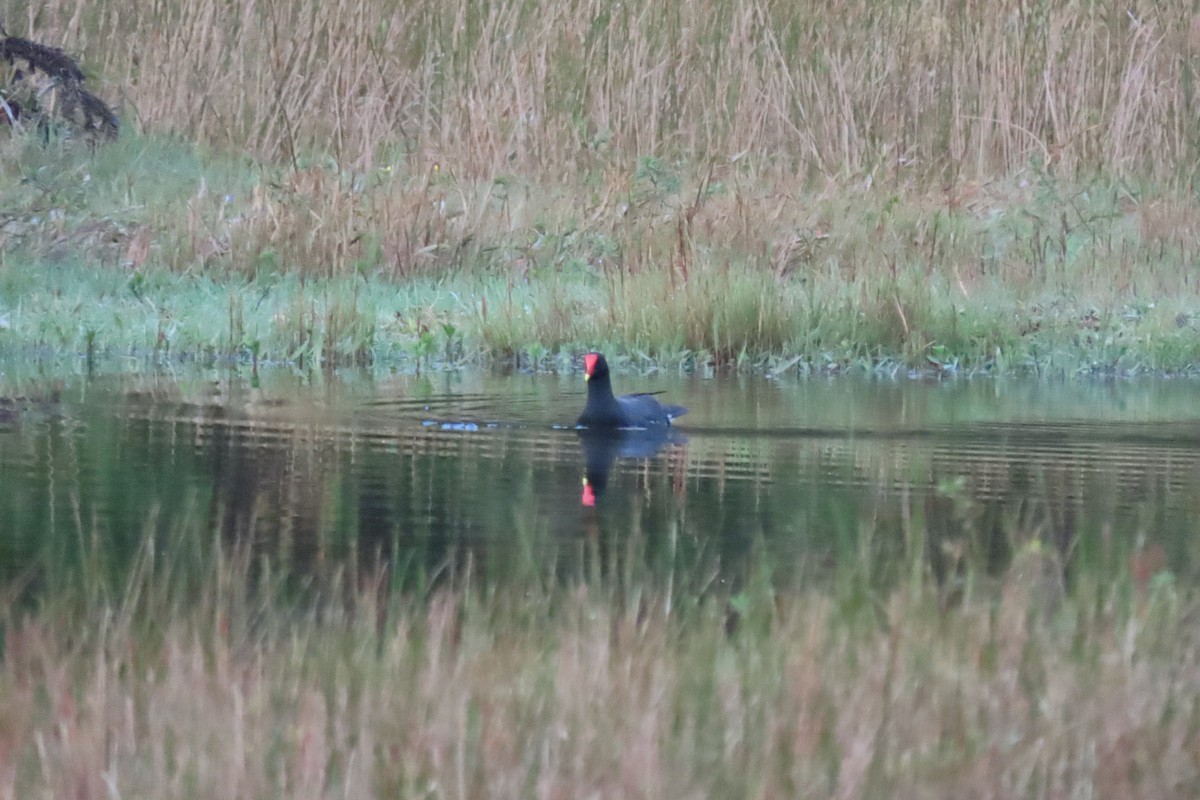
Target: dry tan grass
(947,91)
(584,691)
(429,135)
(881,165)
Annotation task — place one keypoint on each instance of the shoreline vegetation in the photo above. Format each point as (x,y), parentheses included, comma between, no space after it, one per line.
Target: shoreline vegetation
(199,675)
(891,188)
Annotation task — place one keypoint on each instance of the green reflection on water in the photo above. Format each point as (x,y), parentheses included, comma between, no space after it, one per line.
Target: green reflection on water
(407,480)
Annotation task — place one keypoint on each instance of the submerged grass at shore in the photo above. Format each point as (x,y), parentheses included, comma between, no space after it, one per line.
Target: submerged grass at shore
(202,677)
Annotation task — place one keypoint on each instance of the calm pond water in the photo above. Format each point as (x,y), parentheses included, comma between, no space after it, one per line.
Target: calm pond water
(421,472)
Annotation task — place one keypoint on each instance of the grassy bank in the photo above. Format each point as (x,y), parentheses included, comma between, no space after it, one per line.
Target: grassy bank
(202,679)
(993,189)
(146,248)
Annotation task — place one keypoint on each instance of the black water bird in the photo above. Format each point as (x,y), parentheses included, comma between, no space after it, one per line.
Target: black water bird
(605,410)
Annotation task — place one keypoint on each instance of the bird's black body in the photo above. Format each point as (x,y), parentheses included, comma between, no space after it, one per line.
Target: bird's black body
(605,410)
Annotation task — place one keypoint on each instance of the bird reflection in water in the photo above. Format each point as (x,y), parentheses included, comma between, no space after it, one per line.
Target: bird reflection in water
(602,447)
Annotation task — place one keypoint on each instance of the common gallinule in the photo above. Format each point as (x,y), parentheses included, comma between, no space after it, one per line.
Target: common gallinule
(604,410)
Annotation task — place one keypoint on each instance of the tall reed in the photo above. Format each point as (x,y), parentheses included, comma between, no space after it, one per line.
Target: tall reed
(937,90)
(871,170)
